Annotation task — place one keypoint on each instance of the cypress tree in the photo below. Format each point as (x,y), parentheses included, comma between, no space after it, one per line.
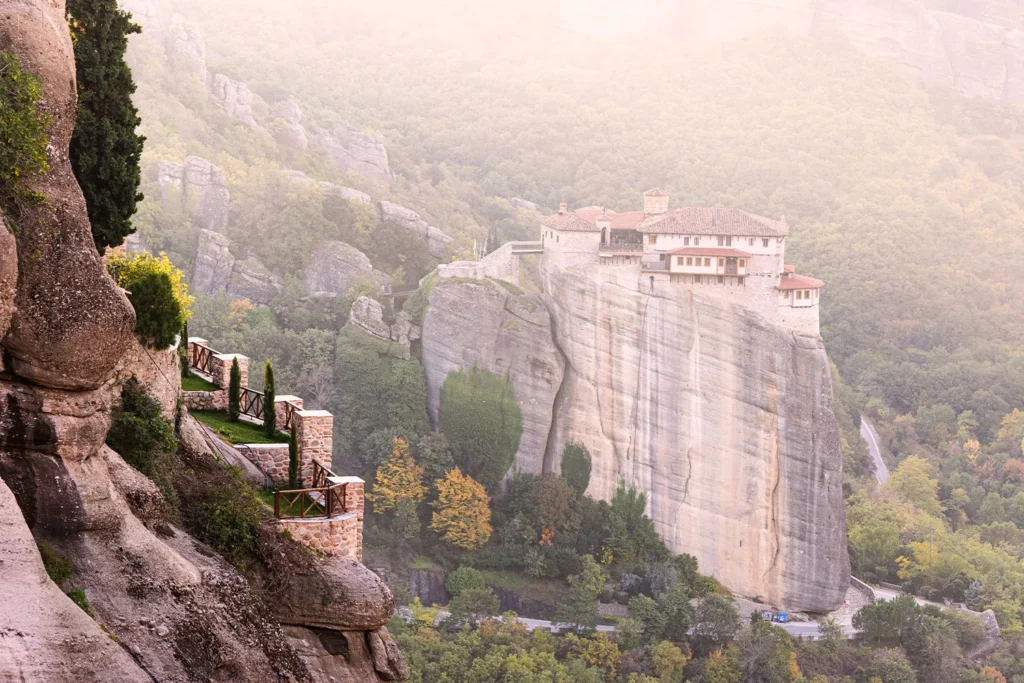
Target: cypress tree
(235,392)
(293,459)
(183,351)
(105,148)
(269,413)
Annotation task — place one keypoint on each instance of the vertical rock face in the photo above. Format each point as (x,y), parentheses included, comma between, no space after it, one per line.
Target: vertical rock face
(483,325)
(411,221)
(336,267)
(292,133)
(8,278)
(211,271)
(186,47)
(251,280)
(724,419)
(355,150)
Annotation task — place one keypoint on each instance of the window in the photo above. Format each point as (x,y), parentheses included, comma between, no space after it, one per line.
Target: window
(556,238)
(679,260)
(653,239)
(787,294)
(686,241)
(807,294)
(799,295)
(721,262)
(707,263)
(751,241)
(721,241)
(739,280)
(728,241)
(721,280)
(764,242)
(689,260)
(696,241)
(743,263)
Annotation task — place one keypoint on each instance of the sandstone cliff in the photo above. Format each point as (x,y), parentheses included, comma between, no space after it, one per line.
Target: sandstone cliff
(722,418)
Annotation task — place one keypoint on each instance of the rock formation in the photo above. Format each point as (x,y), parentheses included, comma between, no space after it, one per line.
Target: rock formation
(368,315)
(198,186)
(410,220)
(235,98)
(481,324)
(214,263)
(724,419)
(336,267)
(291,132)
(522,204)
(251,280)
(355,150)
(186,48)
(329,188)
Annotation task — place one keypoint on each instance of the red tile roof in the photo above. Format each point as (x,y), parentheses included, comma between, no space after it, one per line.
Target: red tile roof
(795,281)
(568,222)
(709,251)
(713,221)
(620,221)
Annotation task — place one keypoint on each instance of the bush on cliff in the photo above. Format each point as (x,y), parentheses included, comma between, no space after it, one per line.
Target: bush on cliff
(576,467)
(105,149)
(141,435)
(22,134)
(158,294)
(482,420)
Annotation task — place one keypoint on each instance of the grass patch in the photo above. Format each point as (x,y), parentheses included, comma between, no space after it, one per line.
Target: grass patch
(421,562)
(240,432)
(546,590)
(58,566)
(197,383)
(267,497)
(78,597)
(510,287)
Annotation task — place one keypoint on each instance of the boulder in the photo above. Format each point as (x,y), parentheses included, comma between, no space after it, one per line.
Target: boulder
(387,659)
(410,220)
(65,302)
(329,188)
(336,267)
(199,440)
(368,315)
(355,150)
(251,280)
(339,656)
(337,594)
(211,271)
(291,133)
(186,48)
(235,98)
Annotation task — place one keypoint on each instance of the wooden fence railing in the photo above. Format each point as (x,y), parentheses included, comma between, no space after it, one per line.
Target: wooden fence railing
(324,499)
(289,416)
(251,403)
(201,359)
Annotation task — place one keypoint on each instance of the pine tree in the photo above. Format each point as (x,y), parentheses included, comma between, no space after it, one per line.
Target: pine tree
(235,392)
(293,459)
(462,514)
(183,351)
(105,148)
(269,412)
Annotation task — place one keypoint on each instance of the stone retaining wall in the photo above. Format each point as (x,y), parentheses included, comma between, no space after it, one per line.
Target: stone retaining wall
(205,400)
(340,536)
(271,458)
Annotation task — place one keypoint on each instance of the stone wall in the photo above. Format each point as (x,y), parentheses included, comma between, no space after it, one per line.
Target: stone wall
(205,400)
(339,536)
(271,458)
(500,264)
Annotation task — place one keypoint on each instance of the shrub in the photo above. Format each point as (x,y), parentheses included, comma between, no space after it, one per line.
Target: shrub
(464,579)
(158,294)
(23,131)
(57,565)
(293,459)
(482,420)
(576,467)
(227,517)
(269,413)
(183,358)
(141,435)
(235,391)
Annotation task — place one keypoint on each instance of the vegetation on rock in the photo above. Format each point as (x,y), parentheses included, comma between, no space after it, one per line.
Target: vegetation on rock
(23,126)
(158,294)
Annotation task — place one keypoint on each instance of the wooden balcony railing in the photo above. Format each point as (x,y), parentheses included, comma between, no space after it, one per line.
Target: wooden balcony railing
(251,403)
(289,416)
(324,499)
(201,359)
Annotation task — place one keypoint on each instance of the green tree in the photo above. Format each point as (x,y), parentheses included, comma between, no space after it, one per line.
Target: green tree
(668,662)
(472,606)
(23,128)
(105,149)
(158,294)
(434,454)
(766,654)
(576,467)
(579,609)
(293,458)
(234,391)
(464,579)
(715,623)
(483,423)
(912,483)
(890,621)
(269,396)
(183,359)
(891,666)
(633,538)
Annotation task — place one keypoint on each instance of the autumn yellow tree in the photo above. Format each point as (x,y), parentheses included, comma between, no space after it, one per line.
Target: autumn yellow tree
(462,514)
(399,489)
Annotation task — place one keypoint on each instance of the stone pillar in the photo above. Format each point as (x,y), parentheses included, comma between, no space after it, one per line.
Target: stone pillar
(281,408)
(222,369)
(316,440)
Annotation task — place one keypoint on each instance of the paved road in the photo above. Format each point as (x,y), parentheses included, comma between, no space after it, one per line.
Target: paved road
(868,432)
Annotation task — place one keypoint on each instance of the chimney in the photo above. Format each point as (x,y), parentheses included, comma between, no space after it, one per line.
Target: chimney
(562,208)
(655,202)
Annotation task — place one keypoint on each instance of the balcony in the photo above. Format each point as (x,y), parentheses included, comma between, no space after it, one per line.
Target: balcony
(615,248)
